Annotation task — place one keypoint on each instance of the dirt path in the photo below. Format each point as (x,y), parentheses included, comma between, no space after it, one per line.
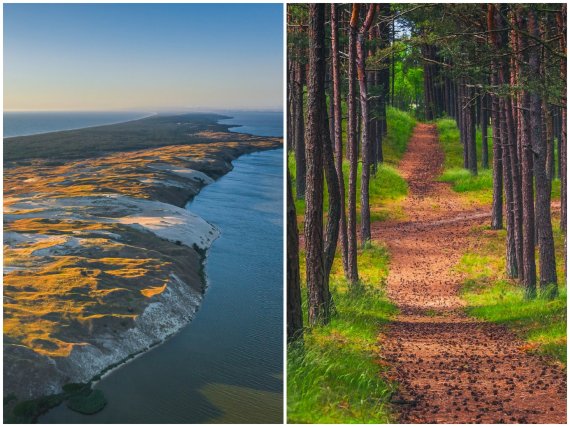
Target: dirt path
(452,368)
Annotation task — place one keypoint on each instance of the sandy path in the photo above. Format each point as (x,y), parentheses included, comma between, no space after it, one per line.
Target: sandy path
(452,368)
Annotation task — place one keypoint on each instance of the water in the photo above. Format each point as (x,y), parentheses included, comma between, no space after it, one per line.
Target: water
(262,123)
(31,123)
(226,366)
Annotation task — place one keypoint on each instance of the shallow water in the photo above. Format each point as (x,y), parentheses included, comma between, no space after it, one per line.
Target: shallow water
(225,366)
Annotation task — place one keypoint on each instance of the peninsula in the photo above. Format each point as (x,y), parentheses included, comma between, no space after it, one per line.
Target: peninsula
(101,260)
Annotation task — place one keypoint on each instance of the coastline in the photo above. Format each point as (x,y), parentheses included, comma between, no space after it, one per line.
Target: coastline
(172,186)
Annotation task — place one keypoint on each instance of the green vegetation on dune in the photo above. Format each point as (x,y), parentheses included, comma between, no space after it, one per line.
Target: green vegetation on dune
(334,377)
(476,188)
(541,322)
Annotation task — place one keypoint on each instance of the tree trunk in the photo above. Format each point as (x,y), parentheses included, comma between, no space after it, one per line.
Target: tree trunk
(547,262)
(484,139)
(561,23)
(294,310)
(497,209)
(337,105)
(352,149)
(471,133)
(299,131)
(318,297)
(366,149)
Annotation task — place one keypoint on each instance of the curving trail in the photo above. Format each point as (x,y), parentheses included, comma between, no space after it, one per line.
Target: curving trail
(452,368)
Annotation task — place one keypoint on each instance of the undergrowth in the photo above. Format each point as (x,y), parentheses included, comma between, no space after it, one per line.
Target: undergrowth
(334,376)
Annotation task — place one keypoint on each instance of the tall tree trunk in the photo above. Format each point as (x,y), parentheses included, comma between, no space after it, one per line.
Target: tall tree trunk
(333,217)
(318,296)
(497,209)
(516,186)
(561,23)
(290,105)
(337,105)
(299,130)
(294,310)
(471,133)
(547,262)
(366,149)
(352,148)
(484,124)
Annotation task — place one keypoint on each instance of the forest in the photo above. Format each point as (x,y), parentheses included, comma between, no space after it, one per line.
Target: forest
(426,213)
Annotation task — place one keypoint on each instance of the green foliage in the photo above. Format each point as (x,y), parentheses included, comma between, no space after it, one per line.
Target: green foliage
(400,128)
(541,321)
(87,404)
(477,188)
(334,376)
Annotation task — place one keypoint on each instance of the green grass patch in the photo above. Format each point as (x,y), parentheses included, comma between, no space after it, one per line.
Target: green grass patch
(335,377)
(476,188)
(400,128)
(491,297)
(386,186)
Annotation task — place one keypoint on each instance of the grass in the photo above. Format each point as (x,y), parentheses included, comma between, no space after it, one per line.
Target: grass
(475,188)
(334,377)
(540,322)
(387,185)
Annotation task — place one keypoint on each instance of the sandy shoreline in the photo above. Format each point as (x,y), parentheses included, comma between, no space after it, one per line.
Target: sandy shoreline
(101,259)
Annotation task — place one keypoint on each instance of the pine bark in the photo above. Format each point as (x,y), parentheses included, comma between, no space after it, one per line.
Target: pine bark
(337,109)
(547,262)
(365,233)
(497,206)
(294,309)
(352,148)
(484,137)
(318,298)
(299,130)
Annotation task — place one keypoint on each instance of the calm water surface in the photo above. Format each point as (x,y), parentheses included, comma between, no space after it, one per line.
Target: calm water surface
(262,123)
(226,365)
(31,123)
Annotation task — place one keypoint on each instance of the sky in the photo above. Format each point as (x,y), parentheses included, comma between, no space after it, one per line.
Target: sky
(151,57)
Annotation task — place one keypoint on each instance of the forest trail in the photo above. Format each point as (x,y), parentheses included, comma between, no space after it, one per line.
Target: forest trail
(452,368)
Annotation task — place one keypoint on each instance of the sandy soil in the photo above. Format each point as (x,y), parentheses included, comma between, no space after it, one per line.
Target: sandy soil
(452,368)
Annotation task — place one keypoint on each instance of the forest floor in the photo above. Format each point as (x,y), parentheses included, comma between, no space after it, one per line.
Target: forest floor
(452,368)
